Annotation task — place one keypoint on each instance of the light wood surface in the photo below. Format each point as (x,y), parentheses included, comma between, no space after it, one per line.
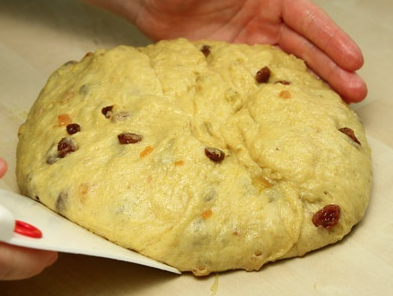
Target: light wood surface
(36,37)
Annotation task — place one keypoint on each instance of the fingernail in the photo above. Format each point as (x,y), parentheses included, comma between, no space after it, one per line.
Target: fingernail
(3,167)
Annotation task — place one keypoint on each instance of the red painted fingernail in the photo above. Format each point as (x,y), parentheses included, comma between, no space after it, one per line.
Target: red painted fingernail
(27,229)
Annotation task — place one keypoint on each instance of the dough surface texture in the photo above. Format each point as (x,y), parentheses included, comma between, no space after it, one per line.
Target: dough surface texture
(203,155)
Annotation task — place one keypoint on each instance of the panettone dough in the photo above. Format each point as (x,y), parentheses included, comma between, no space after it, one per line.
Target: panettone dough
(204,155)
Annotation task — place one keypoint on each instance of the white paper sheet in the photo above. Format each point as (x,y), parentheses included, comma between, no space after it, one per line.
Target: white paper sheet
(59,234)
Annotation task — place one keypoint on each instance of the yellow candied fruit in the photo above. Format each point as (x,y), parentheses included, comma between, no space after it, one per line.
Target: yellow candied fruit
(285,94)
(178,163)
(261,183)
(64,119)
(207,214)
(146,151)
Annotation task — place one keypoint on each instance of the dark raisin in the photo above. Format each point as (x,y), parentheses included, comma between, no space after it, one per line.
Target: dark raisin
(120,116)
(52,156)
(263,75)
(65,147)
(284,82)
(70,63)
(84,90)
(205,50)
(107,111)
(350,133)
(51,159)
(214,154)
(89,53)
(129,138)
(73,128)
(61,202)
(327,217)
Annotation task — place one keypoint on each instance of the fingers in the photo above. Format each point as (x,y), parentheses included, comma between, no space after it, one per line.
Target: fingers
(20,263)
(310,21)
(3,167)
(348,84)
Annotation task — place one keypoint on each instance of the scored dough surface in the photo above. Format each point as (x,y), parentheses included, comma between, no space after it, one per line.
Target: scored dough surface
(181,152)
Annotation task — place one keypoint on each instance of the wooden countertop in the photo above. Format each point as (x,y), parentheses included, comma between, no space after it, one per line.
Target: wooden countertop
(36,37)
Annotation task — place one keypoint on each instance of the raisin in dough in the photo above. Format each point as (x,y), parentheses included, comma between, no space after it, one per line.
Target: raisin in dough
(204,155)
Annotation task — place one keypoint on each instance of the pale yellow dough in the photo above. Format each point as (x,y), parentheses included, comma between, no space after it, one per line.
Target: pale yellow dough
(285,158)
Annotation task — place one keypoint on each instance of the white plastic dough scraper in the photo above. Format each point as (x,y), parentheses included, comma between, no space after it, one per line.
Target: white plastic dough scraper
(25,222)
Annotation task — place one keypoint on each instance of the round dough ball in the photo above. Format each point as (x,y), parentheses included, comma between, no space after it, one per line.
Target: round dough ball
(203,155)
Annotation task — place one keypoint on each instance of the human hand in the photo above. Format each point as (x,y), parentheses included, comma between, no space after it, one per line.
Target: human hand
(18,262)
(297,26)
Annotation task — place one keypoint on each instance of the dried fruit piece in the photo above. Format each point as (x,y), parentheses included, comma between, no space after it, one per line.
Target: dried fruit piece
(284,82)
(120,116)
(146,151)
(178,163)
(207,214)
(129,138)
(263,75)
(64,119)
(261,183)
(52,158)
(284,94)
(89,53)
(84,90)
(84,188)
(107,111)
(205,49)
(327,217)
(66,146)
(70,63)
(61,202)
(201,270)
(73,128)
(214,154)
(350,133)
